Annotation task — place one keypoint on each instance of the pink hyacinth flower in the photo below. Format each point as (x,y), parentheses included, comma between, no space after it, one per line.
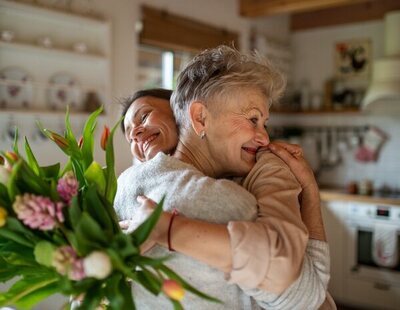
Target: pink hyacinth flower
(67,187)
(38,212)
(67,262)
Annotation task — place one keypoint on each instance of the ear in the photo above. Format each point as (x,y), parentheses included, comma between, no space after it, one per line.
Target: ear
(197,113)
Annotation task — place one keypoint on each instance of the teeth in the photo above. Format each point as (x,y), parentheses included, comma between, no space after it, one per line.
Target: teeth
(148,140)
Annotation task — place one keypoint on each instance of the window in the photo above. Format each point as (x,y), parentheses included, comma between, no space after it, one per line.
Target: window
(159,67)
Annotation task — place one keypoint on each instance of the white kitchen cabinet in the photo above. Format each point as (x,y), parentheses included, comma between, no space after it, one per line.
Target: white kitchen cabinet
(81,49)
(333,213)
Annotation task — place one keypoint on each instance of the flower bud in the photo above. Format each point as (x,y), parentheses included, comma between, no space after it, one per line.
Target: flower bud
(4,175)
(66,262)
(104,137)
(97,265)
(80,142)
(59,140)
(3,216)
(173,290)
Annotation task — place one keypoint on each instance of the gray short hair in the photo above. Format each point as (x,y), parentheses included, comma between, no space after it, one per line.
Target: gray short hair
(221,71)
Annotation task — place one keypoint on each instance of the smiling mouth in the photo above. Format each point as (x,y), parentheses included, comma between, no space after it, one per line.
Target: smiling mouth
(147,142)
(250,150)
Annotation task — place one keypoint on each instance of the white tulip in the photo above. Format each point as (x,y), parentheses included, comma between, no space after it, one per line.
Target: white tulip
(97,265)
(4,175)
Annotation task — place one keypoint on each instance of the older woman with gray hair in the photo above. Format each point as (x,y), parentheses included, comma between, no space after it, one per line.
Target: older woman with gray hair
(221,104)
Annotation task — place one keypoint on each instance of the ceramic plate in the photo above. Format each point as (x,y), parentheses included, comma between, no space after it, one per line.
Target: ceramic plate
(64,90)
(16,88)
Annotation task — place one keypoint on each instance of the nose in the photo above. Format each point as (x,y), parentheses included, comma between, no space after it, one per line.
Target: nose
(136,132)
(262,137)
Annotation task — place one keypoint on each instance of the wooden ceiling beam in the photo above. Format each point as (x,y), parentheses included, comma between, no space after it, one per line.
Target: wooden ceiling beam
(359,12)
(258,8)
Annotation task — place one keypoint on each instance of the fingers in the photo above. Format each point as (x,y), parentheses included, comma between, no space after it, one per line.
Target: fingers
(294,149)
(146,202)
(281,152)
(124,224)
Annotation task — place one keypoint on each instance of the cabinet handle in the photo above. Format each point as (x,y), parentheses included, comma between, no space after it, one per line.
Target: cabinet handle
(382,286)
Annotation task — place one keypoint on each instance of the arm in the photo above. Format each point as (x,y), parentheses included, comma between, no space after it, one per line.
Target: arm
(292,155)
(265,254)
(278,222)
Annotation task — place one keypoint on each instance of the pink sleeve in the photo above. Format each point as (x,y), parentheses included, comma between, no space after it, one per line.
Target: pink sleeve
(268,253)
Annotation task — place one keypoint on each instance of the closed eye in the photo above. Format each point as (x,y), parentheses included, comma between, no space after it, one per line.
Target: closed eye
(144,117)
(254,120)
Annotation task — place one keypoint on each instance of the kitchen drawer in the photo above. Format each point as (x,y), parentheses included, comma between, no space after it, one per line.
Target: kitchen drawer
(376,295)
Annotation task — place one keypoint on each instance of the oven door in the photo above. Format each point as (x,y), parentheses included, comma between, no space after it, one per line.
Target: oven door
(360,263)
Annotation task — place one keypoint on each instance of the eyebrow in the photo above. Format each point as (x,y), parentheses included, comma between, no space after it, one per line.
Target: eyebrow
(138,110)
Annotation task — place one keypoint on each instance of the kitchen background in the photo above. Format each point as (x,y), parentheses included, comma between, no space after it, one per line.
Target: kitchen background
(99,58)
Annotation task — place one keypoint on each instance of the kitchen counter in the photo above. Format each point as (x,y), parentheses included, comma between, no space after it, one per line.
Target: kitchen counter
(329,194)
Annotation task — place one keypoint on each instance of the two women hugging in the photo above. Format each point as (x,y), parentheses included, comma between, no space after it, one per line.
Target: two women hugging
(256,242)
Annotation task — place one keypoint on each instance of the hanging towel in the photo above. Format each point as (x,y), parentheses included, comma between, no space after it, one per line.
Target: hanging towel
(385,245)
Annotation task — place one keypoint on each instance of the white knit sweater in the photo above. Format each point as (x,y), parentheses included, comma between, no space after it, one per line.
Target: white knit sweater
(220,201)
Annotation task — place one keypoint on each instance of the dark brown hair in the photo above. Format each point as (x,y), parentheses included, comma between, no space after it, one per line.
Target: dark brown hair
(152,92)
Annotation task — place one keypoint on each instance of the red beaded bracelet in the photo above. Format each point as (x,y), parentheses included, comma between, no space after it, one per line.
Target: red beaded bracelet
(174,213)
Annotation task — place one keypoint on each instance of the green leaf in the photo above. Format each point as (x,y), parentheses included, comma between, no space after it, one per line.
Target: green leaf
(95,207)
(92,297)
(126,292)
(78,171)
(16,226)
(94,174)
(13,191)
(111,188)
(9,273)
(123,245)
(31,158)
(26,286)
(67,167)
(149,281)
(44,253)
(5,201)
(15,144)
(151,262)
(73,148)
(89,232)
(16,237)
(29,300)
(112,292)
(177,305)
(88,141)
(51,171)
(23,255)
(74,212)
(143,231)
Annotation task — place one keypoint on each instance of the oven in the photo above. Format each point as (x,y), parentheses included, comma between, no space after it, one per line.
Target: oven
(372,261)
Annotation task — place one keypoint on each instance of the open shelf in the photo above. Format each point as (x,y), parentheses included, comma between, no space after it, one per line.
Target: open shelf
(51,13)
(30,48)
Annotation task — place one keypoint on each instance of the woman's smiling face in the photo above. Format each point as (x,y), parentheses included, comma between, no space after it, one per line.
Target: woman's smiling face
(236,132)
(150,127)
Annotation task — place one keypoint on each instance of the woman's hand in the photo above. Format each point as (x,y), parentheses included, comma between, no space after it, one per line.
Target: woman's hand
(292,155)
(141,214)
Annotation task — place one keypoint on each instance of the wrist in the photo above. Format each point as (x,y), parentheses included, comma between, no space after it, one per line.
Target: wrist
(160,232)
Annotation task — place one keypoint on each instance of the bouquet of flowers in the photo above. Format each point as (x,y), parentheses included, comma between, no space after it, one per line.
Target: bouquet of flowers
(59,232)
